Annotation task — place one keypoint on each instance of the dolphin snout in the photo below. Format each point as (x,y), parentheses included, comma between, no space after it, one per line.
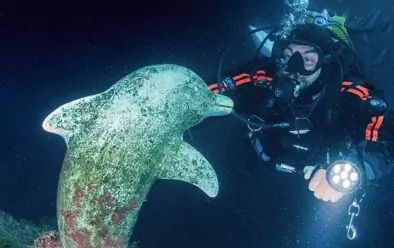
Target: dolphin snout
(223,105)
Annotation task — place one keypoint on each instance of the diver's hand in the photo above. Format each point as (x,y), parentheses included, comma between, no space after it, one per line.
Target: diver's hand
(320,186)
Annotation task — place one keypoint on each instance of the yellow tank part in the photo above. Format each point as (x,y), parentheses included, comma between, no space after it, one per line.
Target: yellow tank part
(337,25)
(341,31)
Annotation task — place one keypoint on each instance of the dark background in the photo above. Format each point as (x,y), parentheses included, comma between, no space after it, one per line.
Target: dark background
(53,52)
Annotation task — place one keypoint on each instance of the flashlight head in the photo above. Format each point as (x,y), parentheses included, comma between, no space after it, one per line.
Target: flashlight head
(344,176)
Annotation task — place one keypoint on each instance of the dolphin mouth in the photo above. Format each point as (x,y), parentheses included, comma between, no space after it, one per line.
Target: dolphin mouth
(223,105)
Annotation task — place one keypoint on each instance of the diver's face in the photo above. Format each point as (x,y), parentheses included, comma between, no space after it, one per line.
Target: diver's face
(310,58)
(309,55)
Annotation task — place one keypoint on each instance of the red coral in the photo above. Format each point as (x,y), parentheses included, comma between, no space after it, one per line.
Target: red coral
(48,239)
(119,216)
(108,207)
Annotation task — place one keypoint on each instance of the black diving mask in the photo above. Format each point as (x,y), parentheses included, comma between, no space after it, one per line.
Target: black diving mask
(295,62)
(297,65)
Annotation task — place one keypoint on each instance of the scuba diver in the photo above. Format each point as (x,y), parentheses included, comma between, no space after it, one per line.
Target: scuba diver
(309,110)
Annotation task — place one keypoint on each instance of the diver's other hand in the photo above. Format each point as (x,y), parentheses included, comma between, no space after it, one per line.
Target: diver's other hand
(322,190)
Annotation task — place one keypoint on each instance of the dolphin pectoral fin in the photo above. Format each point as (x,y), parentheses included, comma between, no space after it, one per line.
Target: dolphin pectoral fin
(188,165)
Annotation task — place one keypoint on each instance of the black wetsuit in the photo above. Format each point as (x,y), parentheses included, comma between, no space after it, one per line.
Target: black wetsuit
(341,115)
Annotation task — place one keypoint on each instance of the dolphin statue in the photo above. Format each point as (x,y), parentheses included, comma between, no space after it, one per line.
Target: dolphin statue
(120,141)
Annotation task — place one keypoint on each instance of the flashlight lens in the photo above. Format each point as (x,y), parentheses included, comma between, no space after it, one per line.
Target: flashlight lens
(353,176)
(346,184)
(336,179)
(337,168)
(347,167)
(344,175)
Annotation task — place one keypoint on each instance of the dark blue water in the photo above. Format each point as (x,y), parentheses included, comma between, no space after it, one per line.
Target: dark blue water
(53,53)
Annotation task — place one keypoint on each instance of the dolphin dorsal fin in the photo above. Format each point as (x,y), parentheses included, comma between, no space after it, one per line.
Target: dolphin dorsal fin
(70,118)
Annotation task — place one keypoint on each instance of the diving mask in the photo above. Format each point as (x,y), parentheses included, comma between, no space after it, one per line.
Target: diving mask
(299,58)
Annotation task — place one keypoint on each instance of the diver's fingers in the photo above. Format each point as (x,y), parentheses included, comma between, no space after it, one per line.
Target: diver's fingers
(328,195)
(319,175)
(336,196)
(320,190)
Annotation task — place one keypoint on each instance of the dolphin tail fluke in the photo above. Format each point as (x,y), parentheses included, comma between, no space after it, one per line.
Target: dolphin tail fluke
(188,165)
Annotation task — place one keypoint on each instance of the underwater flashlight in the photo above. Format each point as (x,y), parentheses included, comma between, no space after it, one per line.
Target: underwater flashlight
(343,176)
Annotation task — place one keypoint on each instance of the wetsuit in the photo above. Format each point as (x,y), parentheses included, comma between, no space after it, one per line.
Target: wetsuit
(342,117)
